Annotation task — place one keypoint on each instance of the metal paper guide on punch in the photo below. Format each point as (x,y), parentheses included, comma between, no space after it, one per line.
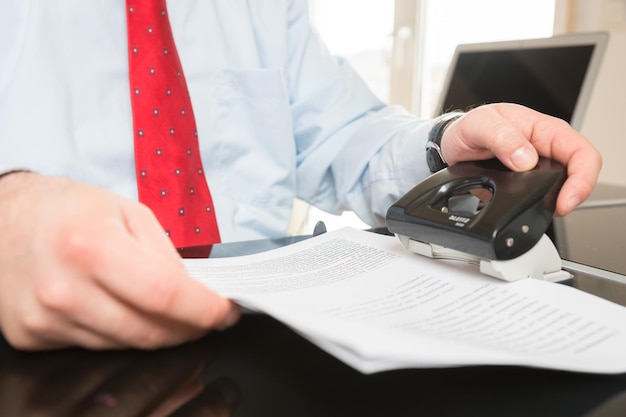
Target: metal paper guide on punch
(485,214)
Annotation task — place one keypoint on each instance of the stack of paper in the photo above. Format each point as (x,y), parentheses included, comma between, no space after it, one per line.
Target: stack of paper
(365,299)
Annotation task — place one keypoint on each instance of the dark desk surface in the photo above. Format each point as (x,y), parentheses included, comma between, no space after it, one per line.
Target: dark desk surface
(261,368)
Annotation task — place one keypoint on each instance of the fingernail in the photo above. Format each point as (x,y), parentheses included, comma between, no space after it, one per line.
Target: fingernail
(573,202)
(524,158)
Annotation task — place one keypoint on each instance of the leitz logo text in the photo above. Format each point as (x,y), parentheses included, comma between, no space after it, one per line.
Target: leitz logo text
(458,219)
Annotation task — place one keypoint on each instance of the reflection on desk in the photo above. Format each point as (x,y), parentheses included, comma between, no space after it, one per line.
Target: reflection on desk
(261,368)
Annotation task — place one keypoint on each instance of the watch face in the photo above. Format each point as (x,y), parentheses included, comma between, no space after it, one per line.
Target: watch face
(434,161)
(433,158)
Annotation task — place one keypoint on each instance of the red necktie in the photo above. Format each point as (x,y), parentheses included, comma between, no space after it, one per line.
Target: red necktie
(170,177)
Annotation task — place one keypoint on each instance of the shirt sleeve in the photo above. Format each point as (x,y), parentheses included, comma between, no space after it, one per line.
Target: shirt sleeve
(13,14)
(353,151)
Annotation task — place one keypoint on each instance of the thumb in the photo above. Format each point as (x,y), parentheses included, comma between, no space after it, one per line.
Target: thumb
(484,133)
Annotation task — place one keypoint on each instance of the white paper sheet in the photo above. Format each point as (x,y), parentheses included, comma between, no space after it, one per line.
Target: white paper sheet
(365,299)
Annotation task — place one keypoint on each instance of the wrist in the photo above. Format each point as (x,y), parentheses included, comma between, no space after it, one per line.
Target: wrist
(434,152)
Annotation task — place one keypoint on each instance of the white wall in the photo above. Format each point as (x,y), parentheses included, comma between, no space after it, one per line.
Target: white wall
(605,121)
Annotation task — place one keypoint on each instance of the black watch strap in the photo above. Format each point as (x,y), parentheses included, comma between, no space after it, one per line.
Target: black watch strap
(434,157)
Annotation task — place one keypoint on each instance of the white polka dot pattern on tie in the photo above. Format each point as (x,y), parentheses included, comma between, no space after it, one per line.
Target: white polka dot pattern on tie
(166,146)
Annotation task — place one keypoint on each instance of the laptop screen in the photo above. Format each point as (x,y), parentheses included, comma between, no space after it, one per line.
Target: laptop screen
(552,75)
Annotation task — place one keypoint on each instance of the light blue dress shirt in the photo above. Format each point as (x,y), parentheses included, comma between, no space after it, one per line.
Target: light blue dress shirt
(278,117)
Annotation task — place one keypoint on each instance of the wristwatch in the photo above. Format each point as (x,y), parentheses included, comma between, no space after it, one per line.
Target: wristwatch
(434,157)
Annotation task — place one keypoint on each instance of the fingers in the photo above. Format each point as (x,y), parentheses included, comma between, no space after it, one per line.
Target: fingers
(144,296)
(143,301)
(141,223)
(82,266)
(156,284)
(484,133)
(173,289)
(583,170)
(517,136)
(553,138)
(110,325)
(44,319)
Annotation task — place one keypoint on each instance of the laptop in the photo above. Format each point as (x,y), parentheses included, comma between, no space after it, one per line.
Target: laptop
(554,75)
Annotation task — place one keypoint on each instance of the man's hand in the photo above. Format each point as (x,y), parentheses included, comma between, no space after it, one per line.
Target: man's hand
(82,266)
(517,136)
